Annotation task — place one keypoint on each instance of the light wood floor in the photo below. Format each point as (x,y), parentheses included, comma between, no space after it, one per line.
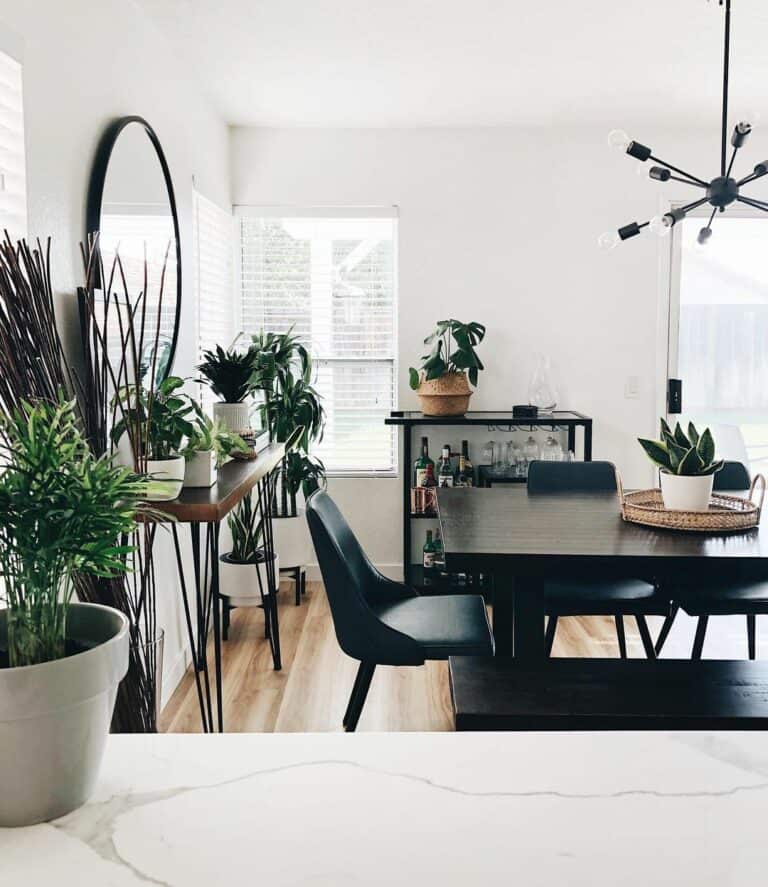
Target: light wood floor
(311,692)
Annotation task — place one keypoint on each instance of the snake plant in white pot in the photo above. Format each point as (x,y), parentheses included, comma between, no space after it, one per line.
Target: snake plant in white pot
(208,447)
(687,466)
(65,513)
(239,582)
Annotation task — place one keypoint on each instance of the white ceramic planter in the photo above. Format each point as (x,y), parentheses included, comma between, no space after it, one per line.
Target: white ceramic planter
(55,717)
(292,540)
(166,478)
(682,493)
(236,417)
(200,470)
(240,582)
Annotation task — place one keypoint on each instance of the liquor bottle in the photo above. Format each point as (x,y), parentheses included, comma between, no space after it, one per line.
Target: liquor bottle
(445,471)
(428,484)
(464,473)
(439,553)
(422,463)
(428,552)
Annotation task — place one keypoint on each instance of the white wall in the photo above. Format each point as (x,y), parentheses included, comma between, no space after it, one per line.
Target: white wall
(85,63)
(500,226)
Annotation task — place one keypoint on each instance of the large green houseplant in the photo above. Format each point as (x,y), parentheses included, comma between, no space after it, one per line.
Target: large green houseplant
(65,512)
(293,413)
(441,380)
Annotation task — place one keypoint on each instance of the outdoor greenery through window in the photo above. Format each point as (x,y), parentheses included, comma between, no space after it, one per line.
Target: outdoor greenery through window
(331,276)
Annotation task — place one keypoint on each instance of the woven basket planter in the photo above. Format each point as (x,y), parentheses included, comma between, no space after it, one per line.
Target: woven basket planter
(447,396)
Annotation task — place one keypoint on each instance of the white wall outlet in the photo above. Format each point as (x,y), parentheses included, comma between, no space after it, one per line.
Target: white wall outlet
(632,387)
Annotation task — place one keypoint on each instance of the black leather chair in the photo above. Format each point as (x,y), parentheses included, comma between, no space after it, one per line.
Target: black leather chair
(617,598)
(381,622)
(738,599)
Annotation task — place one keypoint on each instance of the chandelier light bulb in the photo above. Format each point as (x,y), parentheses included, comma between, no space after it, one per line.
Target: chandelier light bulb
(660,225)
(617,138)
(704,236)
(608,240)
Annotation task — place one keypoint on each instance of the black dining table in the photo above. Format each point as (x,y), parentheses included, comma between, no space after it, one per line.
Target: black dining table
(523,540)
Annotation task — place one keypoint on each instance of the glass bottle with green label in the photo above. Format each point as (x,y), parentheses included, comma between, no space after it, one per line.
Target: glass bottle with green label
(464,473)
(429,552)
(445,469)
(422,463)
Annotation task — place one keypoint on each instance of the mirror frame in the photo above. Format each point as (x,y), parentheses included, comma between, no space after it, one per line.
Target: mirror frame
(95,197)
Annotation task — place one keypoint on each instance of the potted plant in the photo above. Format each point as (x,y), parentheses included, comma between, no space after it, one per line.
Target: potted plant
(157,424)
(207,448)
(65,514)
(441,381)
(238,581)
(687,466)
(229,375)
(293,413)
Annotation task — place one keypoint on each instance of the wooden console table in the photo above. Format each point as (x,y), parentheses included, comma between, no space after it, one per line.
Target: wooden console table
(209,506)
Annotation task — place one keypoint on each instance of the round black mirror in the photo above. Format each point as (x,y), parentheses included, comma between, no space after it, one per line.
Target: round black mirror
(131,206)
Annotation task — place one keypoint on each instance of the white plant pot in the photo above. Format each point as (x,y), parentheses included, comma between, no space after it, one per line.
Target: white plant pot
(686,493)
(239,583)
(292,540)
(166,478)
(200,470)
(236,417)
(55,717)
(123,455)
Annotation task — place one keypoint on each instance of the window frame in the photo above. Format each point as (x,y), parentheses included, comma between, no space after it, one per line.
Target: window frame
(244,210)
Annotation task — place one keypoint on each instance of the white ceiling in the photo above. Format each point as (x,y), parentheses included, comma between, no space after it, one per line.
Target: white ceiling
(472,63)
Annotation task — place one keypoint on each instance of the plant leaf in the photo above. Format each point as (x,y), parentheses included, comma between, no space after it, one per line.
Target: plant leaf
(691,464)
(693,434)
(413,377)
(681,439)
(657,452)
(706,447)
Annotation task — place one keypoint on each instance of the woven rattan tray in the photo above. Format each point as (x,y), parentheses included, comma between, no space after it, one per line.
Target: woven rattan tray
(726,513)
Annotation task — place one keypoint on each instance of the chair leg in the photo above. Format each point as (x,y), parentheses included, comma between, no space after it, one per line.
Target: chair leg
(698,641)
(297,585)
(549,635)
(666,628)
(645,636)
(752,635)
(619,620)
(225,621)
(359,693)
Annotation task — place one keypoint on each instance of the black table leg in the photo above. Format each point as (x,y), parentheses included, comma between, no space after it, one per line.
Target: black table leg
(213,534)
(266,492)
(528,619)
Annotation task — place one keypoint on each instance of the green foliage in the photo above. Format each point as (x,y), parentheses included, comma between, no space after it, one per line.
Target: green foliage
(676,452)
(292,410)
(208,436)
(64,511)
(229,373)
(444,358)
(158,421)
(247,529)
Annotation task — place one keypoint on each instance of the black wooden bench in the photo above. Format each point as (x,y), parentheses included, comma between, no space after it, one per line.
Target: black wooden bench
(609,694)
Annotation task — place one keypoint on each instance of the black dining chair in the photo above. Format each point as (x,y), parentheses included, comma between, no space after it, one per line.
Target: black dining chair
(382,622)
(615,597)
(748,599)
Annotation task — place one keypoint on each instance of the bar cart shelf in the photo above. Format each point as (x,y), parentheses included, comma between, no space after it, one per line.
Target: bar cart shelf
(504,421)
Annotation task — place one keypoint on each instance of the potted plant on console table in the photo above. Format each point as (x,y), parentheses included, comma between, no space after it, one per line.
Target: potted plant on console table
(441,382)
(64,514)
(229,375)
(208,447)
(687,466)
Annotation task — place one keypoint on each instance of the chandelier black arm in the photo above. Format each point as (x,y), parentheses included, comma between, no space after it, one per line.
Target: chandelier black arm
(682,210)
(750,178)
(711,219)
(694,180)
(755,203)
(726,66)
(730,165)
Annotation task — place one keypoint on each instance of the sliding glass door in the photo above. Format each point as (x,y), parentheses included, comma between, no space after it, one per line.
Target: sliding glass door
(718,331)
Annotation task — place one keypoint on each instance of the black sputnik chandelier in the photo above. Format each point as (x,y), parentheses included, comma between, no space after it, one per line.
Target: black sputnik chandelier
(719,193)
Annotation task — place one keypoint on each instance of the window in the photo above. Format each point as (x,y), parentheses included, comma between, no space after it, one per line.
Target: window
(331,276)
(718,330)
(217,314)
(13,193)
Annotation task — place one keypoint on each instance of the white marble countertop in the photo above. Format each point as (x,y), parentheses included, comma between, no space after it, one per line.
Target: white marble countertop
(411,809)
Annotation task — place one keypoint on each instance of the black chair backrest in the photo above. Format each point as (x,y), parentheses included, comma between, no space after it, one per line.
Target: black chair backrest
(571,477)
(353,585)
(732,476)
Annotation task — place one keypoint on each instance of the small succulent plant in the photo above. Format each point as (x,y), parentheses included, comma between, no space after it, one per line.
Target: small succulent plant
(677,452)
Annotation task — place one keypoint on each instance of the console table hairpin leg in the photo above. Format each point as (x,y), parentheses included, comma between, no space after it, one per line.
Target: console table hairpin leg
(208,601)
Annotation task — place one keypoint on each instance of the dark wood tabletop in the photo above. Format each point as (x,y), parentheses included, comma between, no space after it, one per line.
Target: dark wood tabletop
(508,529)
(234,481)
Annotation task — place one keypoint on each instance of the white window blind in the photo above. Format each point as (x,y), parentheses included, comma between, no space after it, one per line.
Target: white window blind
(13,192)
(214,283)
(331,276)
